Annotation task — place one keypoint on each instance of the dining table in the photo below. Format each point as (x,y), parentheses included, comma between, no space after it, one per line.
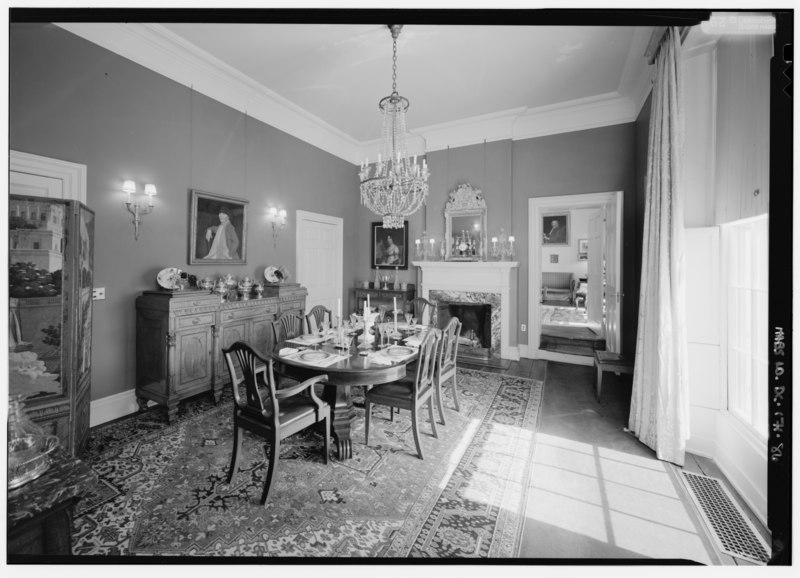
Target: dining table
(348,365)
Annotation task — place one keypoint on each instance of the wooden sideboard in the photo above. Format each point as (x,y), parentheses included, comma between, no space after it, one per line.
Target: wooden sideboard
(379,297)
(180,336)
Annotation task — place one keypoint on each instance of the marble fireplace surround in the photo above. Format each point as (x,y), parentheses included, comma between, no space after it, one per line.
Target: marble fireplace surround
(474,282)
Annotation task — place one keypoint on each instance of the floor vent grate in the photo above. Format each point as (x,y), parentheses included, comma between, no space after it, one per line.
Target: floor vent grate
(732,531)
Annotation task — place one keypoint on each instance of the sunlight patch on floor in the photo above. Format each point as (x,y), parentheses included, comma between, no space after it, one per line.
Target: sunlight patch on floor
(500,467)
(458,452)
(624,500)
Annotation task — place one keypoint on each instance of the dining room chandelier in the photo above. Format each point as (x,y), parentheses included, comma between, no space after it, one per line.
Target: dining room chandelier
(397,185)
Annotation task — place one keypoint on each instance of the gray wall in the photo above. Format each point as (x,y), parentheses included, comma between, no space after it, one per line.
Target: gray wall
(72,100)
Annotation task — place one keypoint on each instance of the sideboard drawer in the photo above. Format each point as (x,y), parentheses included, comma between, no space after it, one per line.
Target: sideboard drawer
(290,306)
(234,314)
(195,320)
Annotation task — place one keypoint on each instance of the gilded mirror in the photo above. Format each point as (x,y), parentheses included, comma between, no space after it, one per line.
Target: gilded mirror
(465,225)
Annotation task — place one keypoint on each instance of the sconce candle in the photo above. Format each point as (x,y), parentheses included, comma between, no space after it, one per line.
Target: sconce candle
(278,219)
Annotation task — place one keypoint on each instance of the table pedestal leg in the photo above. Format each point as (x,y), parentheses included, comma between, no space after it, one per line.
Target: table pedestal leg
(342,416)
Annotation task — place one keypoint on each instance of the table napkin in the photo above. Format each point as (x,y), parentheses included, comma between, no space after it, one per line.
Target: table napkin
(287,351)
(413,341)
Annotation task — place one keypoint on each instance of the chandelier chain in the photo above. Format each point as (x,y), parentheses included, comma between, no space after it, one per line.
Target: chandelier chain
(394,66)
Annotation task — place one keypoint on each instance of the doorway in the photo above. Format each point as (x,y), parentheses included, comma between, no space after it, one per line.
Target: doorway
(574,304)
(320,259)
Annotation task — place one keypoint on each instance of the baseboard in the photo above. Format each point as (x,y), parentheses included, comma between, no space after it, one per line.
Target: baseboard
(113,407)
(566,358)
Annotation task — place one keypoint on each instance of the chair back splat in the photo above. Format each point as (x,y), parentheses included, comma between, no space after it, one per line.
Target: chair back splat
(446,363)
(316,316)
(419,306)
(288,326)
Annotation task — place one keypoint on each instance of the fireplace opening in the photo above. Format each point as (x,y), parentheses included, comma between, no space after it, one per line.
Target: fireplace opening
(475,339)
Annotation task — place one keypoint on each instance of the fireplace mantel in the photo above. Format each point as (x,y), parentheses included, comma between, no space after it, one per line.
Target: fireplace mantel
(498,277)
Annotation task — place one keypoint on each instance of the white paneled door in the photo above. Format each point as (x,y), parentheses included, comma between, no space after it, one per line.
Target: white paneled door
(320,259)
(594,297)
(612,275)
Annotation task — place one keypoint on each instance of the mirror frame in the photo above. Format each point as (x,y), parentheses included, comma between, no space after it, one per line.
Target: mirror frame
(465,201)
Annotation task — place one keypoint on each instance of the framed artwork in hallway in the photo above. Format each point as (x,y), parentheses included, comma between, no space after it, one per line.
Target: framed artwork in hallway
(555,229)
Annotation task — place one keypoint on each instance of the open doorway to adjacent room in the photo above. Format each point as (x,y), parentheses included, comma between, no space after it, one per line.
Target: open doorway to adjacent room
(575,275)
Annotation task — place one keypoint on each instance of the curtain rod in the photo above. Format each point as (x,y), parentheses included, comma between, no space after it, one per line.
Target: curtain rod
(655,41)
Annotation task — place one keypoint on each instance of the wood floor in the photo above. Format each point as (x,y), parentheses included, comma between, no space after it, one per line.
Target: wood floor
(628,520)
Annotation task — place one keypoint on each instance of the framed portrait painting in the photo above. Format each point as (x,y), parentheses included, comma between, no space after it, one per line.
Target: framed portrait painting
(555,229)
(217,229)
(389,247)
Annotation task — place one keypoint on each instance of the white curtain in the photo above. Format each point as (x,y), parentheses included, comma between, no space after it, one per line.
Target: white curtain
(659,413)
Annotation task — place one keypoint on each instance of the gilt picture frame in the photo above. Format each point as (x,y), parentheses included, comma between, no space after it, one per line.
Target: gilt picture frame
(389,247)
(217,229)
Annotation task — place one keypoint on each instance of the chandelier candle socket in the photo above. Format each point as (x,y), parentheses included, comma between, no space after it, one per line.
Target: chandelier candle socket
(398,186)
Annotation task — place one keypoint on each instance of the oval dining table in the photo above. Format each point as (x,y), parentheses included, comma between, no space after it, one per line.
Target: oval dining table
(354,370)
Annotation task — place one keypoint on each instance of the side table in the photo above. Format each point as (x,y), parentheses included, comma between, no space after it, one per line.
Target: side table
(608,361)
(39,517)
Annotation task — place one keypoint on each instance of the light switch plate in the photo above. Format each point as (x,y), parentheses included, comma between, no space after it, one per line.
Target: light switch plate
(98,293)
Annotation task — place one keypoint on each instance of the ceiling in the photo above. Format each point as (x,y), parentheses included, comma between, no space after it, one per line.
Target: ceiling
(465,83)
(338,73)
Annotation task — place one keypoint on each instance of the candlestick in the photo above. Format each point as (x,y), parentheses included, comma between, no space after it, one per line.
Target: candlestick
(395,303)
(339,308)
(368,307)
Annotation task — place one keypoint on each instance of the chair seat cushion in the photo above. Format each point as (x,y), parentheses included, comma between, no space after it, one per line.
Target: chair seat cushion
(401,390)
(292,410)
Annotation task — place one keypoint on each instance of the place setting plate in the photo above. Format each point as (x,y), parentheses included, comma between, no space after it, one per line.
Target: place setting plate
(399,351)
(314,355)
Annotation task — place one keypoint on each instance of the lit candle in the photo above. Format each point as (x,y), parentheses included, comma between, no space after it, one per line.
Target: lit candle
(365,310)
(379,158)
(395,305)
(368,307)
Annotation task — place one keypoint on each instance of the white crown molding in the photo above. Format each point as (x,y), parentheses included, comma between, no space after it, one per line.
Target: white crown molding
(156,48)
(635,81)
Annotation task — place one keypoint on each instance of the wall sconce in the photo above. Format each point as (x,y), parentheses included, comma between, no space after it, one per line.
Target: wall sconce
(425,247)
(278,220)
(129,188)
(503,246)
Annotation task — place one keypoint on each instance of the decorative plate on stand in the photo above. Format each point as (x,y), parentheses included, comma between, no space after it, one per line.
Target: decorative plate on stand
(273,275)
(169,278)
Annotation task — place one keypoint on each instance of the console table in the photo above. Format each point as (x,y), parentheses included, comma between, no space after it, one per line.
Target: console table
(40,512)
(180,336)
(382,297)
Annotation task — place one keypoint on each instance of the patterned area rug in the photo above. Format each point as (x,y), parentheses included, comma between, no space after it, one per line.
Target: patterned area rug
(568,316)
(162,487)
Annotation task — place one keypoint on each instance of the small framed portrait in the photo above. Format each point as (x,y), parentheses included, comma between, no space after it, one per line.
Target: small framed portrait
(389,247)
(217,229)
(555,229)
(583,249)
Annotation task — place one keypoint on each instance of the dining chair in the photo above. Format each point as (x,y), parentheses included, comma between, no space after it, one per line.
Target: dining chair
(446,363)
(409,393)
(271,413)
(288,326)
(317,316)
(419,306)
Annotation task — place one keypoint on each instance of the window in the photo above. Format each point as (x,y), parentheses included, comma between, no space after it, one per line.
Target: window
(43,216)
(36,244)
(746,284)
